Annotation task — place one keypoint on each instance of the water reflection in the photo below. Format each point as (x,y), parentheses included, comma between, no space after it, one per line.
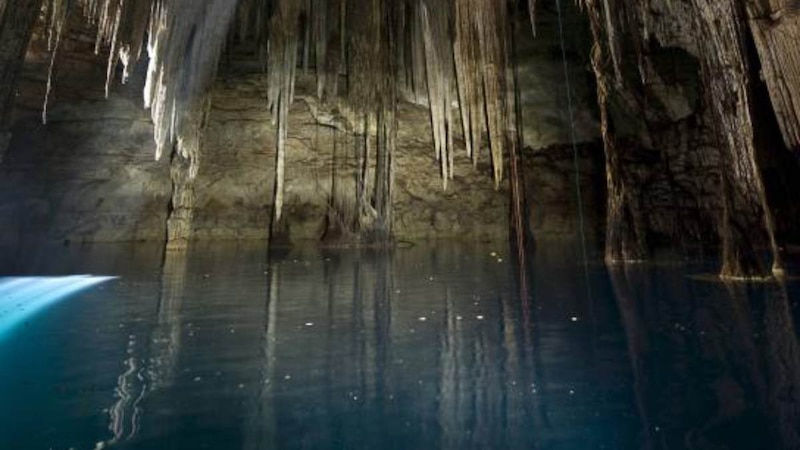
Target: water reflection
(420,358)
(222,347)
(150,362)
(166,339)
(715,365)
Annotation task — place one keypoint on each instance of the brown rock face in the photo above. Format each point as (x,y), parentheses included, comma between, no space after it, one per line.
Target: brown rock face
(699,126)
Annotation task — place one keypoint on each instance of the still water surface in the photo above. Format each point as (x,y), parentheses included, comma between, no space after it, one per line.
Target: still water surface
(420,348)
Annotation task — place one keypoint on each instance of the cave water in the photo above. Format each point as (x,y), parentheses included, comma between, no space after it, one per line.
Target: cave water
(399,224)
(420,347)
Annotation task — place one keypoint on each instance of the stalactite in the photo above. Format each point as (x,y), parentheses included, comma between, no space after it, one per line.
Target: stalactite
(127,40)
(532,15)
(492,20)
(183,64)
(465,52)
(58,12)
(434,17)
(363,203)
(282,67)
(319,27)
(418,88)
(307,27)
(469,76)
(331,65)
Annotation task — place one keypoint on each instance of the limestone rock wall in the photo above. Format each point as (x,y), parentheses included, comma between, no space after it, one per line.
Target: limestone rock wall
(89,173)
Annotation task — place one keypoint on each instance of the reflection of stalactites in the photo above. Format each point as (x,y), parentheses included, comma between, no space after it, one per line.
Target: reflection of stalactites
(782,356)
(476,393)
(452,390)
(360,346)
(383,329)
(514,378)
(166,342)
(261,426)
(125,413)
(637,339)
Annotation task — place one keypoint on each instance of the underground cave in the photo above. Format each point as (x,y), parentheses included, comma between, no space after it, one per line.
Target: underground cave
(399,224)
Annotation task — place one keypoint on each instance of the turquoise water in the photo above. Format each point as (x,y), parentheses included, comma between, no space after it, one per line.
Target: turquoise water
(419,348)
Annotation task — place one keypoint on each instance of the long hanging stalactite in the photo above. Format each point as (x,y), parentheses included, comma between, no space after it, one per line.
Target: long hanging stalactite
(282,66)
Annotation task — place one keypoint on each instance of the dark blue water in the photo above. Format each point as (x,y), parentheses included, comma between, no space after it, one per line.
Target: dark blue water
(420,348)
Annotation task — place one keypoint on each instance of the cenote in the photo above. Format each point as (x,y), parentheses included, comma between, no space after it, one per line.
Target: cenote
(399,224)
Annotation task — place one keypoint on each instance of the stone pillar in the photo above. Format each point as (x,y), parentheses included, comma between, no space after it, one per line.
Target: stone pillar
(182,203)
(184,167)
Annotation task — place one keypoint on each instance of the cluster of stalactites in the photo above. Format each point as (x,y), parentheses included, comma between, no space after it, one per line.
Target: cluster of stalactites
(463,48)
(121,27)
(325,30)
(458,52)
(452,55)
(446,52)
(184,40)
(185,43)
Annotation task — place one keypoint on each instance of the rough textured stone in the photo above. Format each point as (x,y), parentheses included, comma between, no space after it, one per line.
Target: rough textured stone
(542,83)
